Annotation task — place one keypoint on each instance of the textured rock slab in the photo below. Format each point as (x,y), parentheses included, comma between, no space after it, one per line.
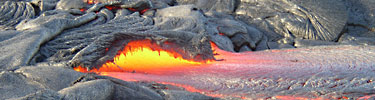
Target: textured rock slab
(13,12)
(309,43)
(103,89)
(49,82)
(13,85)
(183,95)
(20,48)
(361,13)
(133,91)
(53,78)
(360,28)
(96,89)
(41,95)
(224,6)
(132,94)
(309,19)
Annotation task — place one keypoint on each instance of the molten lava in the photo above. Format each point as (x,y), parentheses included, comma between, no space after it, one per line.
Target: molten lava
(242,75)
(144,56)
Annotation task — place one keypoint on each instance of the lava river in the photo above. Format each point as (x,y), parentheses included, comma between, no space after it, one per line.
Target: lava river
(332,72)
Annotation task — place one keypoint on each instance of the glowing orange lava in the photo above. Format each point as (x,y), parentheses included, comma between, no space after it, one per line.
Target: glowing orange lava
(144,56)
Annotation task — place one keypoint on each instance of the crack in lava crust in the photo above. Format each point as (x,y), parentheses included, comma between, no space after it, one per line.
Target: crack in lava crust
(331,72)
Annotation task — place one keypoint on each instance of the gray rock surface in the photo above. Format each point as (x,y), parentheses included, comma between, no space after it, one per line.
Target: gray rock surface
(360,28)
(133,89)
(244,48)
(12,13)
(348,39)
(16,85)
(312,20)
(183,95)
(223,6)
(96,89)
(180,18)
(54,78)
(308,19)
(275,45)
(132,94)
(361,19)
(50,82)
(41,95)
(158,4)
(308,43)
(223,42)
(31,34)
(71,4)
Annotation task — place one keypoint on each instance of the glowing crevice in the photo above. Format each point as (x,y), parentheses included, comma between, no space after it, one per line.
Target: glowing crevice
(144,56)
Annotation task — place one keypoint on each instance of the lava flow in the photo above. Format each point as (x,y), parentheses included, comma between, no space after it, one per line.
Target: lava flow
(280,74)
(144,56)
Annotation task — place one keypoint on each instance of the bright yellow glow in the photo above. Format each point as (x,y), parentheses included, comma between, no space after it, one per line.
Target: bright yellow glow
(147,59)
(143,56)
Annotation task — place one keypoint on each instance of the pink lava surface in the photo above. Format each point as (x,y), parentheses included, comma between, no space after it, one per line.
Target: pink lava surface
(326,72)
